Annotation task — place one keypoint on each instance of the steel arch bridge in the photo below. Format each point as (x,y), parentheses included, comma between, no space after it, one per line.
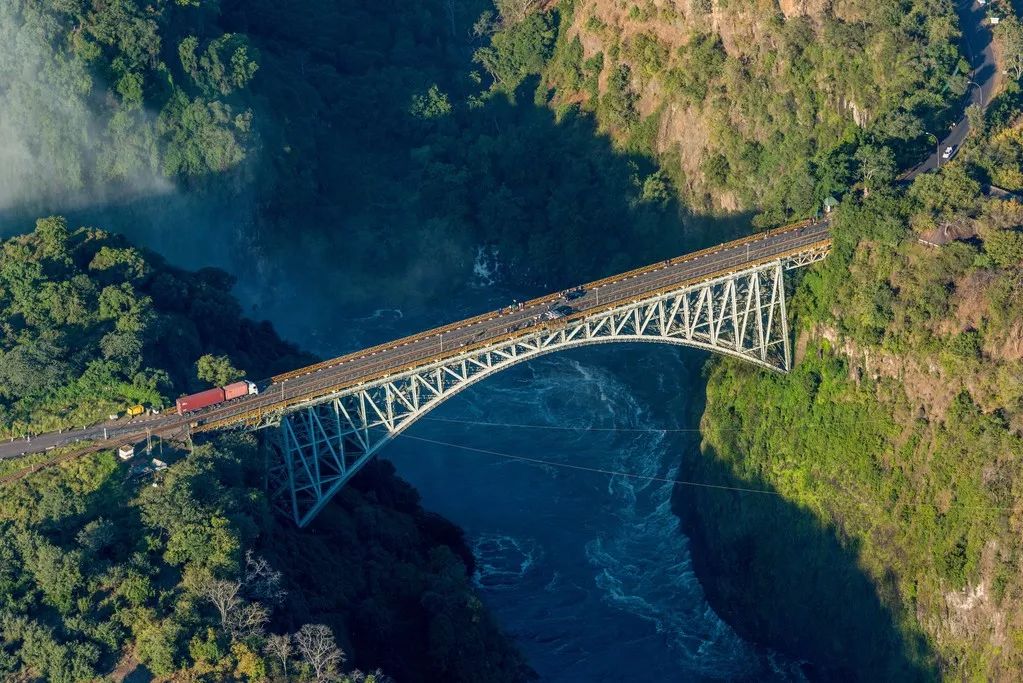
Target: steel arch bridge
(320,443)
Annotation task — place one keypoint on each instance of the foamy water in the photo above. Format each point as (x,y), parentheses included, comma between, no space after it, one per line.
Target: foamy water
(589,572)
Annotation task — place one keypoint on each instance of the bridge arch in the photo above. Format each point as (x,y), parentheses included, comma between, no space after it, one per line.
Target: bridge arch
(319,445)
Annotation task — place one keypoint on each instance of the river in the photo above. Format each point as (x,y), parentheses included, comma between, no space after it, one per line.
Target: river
(589,572)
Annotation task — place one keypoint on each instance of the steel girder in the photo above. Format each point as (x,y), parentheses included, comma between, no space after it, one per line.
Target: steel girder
(321,444)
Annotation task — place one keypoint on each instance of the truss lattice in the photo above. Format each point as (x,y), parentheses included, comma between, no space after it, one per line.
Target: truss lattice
(320,445)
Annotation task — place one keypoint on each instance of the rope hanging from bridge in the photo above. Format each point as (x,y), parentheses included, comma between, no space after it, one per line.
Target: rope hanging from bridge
(585,468)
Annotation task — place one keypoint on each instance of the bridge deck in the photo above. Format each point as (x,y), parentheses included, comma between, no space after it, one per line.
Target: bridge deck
(453,339)
(436,344)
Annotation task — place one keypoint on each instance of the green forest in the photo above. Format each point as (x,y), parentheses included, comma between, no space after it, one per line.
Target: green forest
(91,325)
(576,138)
(192,577)
(187,573)
(897,438)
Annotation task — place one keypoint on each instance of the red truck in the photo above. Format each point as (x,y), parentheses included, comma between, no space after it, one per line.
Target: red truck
(211,397)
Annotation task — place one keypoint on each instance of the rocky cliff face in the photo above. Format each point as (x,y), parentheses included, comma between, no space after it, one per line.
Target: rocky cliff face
(748,104)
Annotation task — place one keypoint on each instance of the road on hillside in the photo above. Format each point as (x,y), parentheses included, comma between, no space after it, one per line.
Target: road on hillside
(979,46)
(450,340)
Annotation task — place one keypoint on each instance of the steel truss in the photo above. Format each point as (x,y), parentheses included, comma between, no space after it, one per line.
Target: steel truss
(320,445)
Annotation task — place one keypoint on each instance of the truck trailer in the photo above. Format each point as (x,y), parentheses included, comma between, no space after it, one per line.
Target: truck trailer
(211,397)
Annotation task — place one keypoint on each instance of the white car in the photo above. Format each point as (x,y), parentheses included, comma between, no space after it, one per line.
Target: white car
(949,151)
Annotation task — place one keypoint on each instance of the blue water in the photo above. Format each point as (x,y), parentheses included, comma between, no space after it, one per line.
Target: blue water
(589,572)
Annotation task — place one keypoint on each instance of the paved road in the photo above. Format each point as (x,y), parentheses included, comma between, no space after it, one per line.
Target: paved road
(450,340)
(977,42)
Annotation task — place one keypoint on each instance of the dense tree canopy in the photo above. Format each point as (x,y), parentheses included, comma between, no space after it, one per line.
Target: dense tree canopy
(126,93)
(193,578)
(90,325)
(896,440)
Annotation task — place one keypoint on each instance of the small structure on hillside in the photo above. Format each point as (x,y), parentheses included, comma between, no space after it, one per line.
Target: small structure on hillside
(126,452)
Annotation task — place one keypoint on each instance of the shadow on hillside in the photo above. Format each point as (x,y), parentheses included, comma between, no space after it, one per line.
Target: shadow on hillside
(551,198)
(772,571)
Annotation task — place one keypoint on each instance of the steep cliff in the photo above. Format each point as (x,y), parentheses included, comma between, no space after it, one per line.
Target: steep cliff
(886,543)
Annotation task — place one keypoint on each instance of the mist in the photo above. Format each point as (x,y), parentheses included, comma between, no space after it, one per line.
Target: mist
(349,220)
(56,124)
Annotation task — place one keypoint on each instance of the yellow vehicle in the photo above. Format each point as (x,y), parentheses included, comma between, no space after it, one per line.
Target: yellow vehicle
(136,410)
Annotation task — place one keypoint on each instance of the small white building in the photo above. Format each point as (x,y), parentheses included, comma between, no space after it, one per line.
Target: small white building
(126,452)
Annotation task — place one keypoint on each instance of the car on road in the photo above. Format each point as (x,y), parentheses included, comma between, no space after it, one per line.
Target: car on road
(949,152)
(559,311)
(573,294)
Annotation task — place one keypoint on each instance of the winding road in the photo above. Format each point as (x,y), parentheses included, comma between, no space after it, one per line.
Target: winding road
(978,43)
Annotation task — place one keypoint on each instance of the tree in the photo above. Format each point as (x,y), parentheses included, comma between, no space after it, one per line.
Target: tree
(485,25)
(877,166)
(975,117)
(225,597)
(53,236)
(947,194)
(1005,247)
(619,102)
(1010,34)
(434,104)
(519,50)
(262,581)
(127,264)
(240,618)
(280,646)
(316,644)
(216,370)
(514,11)
(227,65)
(247,620)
